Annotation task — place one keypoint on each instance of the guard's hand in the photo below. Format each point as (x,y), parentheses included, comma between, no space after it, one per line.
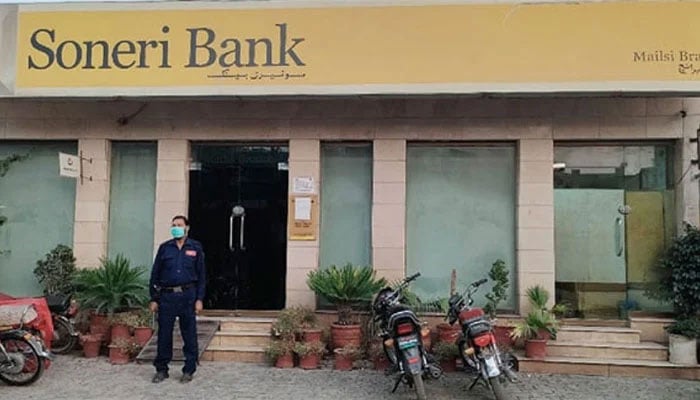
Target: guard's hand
(198,306)
(153,306)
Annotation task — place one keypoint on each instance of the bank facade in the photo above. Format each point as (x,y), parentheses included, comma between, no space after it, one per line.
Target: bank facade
(303,138)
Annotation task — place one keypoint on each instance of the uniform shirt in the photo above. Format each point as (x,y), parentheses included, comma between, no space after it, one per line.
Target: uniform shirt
(175,267)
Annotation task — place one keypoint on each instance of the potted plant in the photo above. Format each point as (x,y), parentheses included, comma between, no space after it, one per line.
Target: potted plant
(499,292)
(446,353)
(120,324)
(309,354)
(378,356)
(91,343)
(346,288)
(345,356)
(143,326)
(281,353)
(682,341)
(308,325)
(113,287)
(122,350)
(539,297)
(533,329)
(287,325)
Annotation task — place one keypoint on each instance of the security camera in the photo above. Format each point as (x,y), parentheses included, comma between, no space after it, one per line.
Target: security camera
(559,166)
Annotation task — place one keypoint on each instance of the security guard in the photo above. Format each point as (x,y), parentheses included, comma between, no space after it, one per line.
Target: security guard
(177,290)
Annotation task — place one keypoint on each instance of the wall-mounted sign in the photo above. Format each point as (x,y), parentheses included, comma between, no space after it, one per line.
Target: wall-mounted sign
(331,48)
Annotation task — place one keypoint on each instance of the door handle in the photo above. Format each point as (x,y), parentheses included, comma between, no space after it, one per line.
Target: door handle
(618,237)
(230,234)
(237,211)
(242,235)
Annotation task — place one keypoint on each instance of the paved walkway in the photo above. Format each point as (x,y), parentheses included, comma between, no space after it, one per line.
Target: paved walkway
(77,378)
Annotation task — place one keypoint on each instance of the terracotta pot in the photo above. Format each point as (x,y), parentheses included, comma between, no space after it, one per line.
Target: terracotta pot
(503,338)
(342,363)
(99,325)
(142,335)
(120,331)
(285,361)
(343,335)
(91,347)
(543,334)
(309,361)
(311,335)
(117,356)
(448,333)
(449,365)
(381,363)
(536,349)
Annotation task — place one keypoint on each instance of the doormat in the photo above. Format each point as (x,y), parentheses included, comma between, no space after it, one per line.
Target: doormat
(205,332)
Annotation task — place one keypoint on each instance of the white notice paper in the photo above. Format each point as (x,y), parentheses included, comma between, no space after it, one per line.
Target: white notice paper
(69,165)
(302,209)
(303,184)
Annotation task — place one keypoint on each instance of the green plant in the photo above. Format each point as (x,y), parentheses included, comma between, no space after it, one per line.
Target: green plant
(287,324)
(680,274)
(418,305)
(445,351)
(126,346)
(349,351)
(345,287)
(278,348)
(113,287)
(499,291)
(56,271)
(303,349)
(688,327)
(539,318)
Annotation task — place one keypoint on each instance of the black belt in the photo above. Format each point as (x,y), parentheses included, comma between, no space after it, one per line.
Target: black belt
(177,289)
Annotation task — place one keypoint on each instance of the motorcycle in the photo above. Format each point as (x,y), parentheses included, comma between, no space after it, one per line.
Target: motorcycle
(477,343)
(63,312)
(401,333)
(23,356)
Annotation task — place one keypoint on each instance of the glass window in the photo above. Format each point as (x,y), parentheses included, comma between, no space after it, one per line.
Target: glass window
(132,201)
(460,215)
(40,209)
(346,204)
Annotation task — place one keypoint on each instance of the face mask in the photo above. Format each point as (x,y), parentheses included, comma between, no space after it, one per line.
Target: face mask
(177,232)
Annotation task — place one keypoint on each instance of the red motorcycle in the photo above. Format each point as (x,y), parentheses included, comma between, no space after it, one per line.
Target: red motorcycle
(477,343)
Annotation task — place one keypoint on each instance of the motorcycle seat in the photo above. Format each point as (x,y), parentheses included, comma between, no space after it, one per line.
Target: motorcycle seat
(58,303)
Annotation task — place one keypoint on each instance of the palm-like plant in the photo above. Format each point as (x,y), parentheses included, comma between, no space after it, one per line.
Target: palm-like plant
(345,287)
(113,287)
(539,319)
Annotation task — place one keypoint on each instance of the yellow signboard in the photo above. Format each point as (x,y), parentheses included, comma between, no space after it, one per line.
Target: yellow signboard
(340,48)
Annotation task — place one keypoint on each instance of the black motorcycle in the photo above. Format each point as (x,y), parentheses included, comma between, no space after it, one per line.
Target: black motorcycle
(65,336)
(477,343)
(23,355)
(401,332)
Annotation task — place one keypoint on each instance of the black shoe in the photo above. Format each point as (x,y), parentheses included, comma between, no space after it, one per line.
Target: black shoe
(159,377)
(186,378)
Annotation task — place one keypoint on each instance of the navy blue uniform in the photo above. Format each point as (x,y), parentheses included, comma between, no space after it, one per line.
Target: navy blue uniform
(177,267)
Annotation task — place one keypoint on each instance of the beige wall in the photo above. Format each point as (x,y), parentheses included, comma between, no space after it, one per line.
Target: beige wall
(536,124)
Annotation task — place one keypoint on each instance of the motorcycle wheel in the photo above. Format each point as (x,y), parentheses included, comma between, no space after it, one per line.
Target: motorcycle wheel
(497,388)
(420,386)
(33,367)
(66,342)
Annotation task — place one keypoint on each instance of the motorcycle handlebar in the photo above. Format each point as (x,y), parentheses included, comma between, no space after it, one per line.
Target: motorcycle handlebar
(480,282)
(412,277)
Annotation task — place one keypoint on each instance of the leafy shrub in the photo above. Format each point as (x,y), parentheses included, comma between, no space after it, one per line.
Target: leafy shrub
(56,271)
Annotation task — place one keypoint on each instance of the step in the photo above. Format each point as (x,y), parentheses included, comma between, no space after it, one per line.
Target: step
(241,338)
(608,367)
(242,354)
(617,351)
(244,323)
(598,334)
